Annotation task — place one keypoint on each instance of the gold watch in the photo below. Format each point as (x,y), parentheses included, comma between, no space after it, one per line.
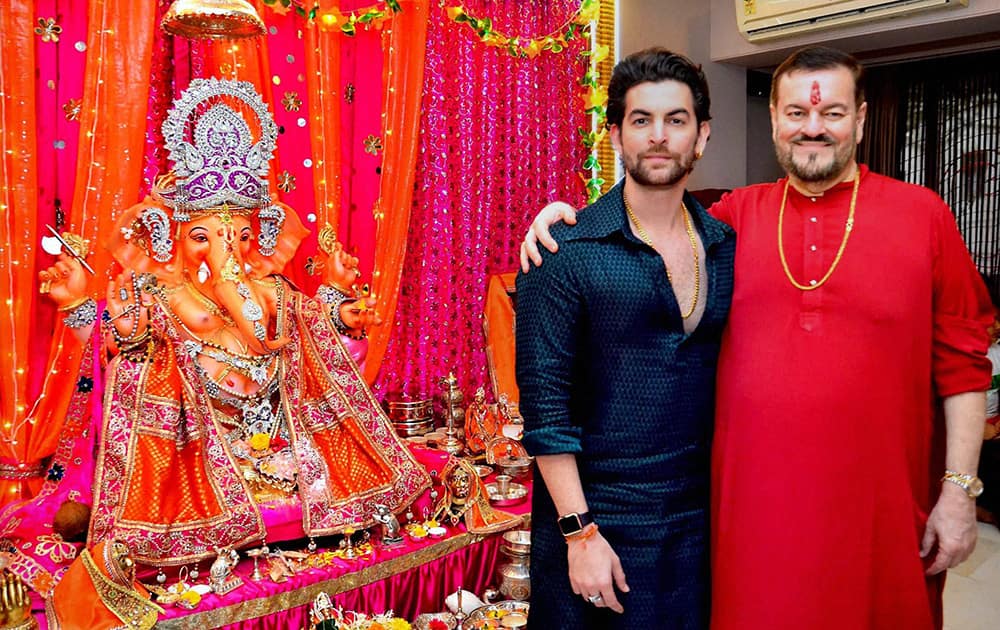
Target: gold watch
(972,484)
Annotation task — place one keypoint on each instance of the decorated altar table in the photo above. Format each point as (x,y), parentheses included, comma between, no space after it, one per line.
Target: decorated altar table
(410,578)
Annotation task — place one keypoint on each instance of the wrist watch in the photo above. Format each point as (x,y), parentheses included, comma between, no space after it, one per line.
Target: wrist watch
(574,522)
(972,484)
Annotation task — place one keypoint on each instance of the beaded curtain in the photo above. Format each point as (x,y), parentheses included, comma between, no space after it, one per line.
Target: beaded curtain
(498,141)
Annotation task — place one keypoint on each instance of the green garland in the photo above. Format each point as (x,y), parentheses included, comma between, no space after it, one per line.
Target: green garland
(347,23)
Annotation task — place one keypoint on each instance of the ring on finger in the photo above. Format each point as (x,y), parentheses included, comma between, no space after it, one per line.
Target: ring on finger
(595,599)
(128,309)
(123,294)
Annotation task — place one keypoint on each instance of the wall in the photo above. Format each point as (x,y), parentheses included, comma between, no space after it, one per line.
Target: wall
(924,33)
(930,33)
(684,26)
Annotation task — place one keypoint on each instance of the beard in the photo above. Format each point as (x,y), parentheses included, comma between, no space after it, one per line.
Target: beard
(676,170)
(813,168)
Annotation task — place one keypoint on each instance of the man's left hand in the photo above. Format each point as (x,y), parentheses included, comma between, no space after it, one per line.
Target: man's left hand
(952,525)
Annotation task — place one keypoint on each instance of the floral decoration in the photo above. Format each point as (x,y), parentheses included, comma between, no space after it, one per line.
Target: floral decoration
(85,384)
(349,90)
(48,29)
(292,102)
(71,109)
(286,182)
(577,26)
(373,144)
(325,616)
(333,19)
(56,472)
(57,549)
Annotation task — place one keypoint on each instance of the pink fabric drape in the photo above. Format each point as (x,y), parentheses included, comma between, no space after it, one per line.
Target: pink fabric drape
(498,141)
(60,67)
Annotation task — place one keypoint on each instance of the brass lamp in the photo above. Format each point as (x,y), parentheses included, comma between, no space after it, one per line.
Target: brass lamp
(212,19)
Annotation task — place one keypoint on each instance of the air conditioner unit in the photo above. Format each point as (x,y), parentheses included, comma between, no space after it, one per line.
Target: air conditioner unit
(760,20)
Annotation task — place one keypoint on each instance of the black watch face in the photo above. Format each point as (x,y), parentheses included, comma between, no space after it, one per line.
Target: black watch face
(569,524)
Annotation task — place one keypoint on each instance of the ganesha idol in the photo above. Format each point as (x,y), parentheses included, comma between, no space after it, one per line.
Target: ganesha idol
(231,395)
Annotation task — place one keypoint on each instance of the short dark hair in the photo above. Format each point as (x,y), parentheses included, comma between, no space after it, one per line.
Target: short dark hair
(654,65)
(814,58)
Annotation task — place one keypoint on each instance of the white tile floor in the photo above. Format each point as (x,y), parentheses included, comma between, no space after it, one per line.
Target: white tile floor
(972,590)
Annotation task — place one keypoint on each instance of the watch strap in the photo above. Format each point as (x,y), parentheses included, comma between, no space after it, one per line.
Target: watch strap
(971,484)
(574,522)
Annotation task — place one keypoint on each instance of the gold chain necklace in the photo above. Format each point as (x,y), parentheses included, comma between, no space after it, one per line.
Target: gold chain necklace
(208,303)
(694,251)
(848,228)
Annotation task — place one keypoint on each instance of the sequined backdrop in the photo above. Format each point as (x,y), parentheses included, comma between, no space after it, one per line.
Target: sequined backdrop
(498,141)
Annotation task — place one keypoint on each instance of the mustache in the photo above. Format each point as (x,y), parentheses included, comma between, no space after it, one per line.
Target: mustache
(659,152)
(820,138)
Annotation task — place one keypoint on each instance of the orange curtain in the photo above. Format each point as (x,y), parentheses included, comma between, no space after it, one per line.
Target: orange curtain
(18,231)
(109,172)
(403,81)
(322,56)
(112,123)
(498,324)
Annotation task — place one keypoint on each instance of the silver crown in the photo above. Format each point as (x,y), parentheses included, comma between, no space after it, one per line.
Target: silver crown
(210,141)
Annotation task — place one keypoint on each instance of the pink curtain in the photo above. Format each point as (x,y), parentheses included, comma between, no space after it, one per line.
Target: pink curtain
(498,141)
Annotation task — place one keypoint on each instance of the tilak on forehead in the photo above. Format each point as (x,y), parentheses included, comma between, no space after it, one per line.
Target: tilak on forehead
(814,95)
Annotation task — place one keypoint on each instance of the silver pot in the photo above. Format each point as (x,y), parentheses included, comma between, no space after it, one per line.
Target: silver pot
(515,576)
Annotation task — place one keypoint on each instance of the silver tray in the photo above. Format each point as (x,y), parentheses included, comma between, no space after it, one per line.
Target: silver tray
(482,613)
(516,493)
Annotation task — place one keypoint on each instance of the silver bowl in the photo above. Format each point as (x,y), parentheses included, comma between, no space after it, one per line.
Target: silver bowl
(516,467)
(516,493)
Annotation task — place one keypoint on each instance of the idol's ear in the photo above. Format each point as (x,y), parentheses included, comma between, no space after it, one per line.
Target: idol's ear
(144,240)
(279,234)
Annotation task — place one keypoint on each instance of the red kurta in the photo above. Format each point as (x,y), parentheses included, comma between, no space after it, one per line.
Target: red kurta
(828,450)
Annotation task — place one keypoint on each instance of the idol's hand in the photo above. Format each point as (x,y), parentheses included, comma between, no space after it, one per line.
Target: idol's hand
(360,314)
(127,310)
(65,282)
(952,525)
(594,571)
(539,232)
(340,270)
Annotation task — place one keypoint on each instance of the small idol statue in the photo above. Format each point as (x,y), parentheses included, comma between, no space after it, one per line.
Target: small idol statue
(221,577)
(391,531)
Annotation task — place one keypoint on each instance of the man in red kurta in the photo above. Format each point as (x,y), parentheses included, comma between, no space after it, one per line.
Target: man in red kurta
(850,381)
(850,327)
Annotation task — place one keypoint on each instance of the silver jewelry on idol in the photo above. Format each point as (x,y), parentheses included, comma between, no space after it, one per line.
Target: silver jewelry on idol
(271,220)
(158,226)
(83,315)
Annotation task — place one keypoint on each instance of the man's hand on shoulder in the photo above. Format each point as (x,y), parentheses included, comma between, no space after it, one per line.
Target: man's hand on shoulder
(952,525)
(594,569)
(539,232)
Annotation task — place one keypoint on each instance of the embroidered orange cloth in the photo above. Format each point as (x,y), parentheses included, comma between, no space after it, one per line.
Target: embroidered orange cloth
(169,484)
